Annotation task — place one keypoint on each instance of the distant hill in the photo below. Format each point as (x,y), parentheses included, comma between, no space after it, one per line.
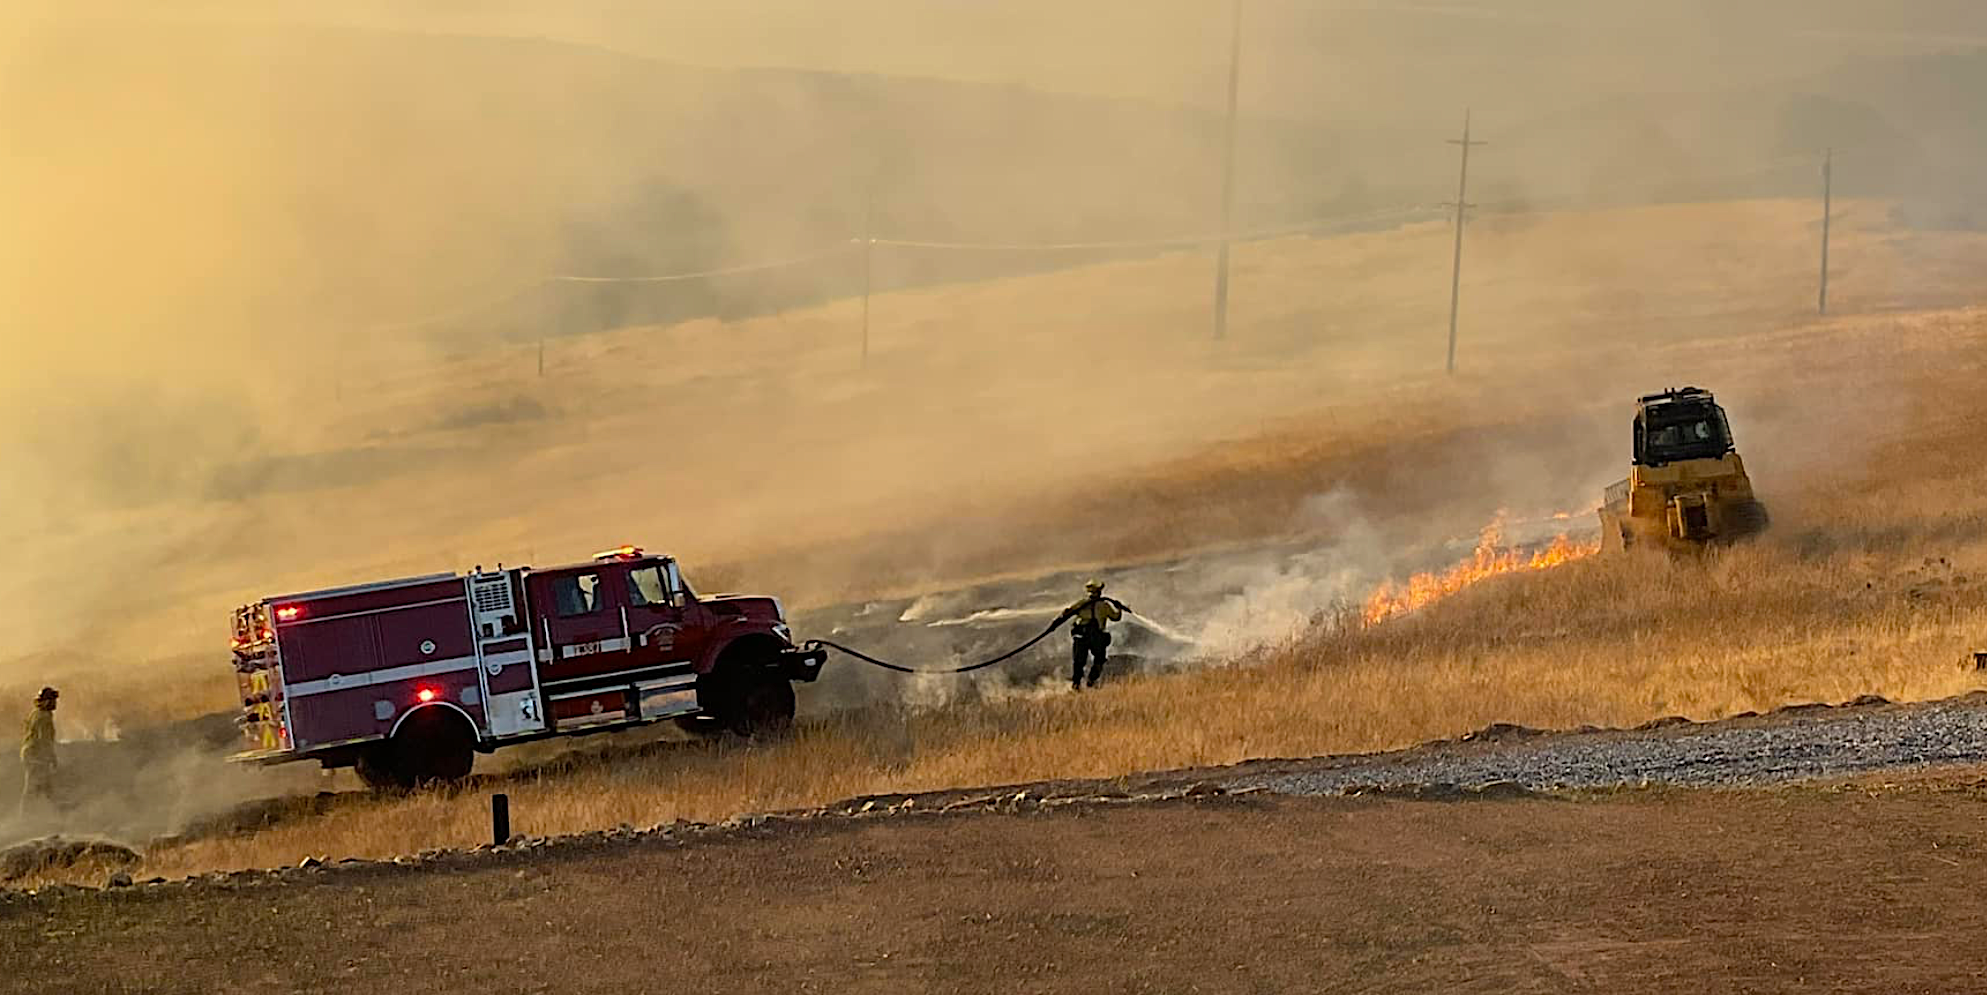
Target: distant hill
(367,177)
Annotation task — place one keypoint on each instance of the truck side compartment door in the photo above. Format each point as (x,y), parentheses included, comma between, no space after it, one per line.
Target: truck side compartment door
(584,641)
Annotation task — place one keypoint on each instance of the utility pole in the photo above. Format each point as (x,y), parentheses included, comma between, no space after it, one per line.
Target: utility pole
(1228,172)
(548,316)
(1462,205)
(1827,197)
(868,254)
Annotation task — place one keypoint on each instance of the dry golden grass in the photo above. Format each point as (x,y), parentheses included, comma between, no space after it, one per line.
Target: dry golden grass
(1602,642)
(991,428)
(1861,431)
(1870,583)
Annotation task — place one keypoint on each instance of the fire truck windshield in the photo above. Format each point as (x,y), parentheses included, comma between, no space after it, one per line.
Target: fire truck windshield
(647,586)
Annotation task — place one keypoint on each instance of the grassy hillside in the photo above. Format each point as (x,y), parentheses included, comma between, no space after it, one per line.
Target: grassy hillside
(1013,426)
(1868,583)
(277,321)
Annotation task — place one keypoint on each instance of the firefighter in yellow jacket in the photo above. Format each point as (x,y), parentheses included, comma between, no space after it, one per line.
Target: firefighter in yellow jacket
(1088,636)
(38,754)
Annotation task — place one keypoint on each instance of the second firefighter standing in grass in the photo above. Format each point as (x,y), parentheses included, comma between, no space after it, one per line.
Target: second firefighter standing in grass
(38,756)
(1088,636)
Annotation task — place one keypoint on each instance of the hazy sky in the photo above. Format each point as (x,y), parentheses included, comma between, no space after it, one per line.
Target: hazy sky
(136,182)
(1307,57)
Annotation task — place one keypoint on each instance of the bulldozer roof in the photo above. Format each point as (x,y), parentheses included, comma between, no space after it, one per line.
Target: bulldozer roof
(1676,394)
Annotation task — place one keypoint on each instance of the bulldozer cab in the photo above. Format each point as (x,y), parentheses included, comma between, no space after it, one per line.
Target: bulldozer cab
(1688,486)
(1682,424)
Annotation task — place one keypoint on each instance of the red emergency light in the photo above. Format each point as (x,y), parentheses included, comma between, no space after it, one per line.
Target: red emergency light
(288,612)
(425,694)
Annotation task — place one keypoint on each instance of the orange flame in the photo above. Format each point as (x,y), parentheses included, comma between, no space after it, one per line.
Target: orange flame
(1491,559)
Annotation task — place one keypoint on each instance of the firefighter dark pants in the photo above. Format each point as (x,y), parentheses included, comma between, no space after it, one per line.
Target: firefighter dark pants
(1088,643)
(38,793)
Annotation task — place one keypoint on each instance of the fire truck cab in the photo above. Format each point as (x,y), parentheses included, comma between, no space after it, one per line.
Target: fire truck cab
(406,680)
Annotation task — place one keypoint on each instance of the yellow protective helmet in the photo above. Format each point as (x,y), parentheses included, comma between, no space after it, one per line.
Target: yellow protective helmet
(1094,587)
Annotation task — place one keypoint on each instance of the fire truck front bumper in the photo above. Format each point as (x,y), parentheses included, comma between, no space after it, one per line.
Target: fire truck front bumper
(802,664)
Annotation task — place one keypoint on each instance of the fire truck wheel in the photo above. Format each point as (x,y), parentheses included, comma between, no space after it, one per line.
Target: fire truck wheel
(376,770)
(432,745)
(764,707)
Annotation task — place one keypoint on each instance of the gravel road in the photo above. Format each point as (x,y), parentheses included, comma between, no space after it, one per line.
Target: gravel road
(1804,743)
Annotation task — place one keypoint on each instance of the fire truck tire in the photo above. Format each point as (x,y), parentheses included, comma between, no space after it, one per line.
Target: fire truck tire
(376,771)
(433,745)
(764,707)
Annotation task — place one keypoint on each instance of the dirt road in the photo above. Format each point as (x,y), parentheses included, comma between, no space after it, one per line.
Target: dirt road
(1788,889)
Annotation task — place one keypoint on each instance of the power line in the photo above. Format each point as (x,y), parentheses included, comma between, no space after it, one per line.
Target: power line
(1130,243)
(867,245)
(1164,241)
(701,274)
(475,306)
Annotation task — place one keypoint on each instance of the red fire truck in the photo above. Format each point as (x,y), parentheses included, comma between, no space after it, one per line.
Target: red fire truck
(406,680)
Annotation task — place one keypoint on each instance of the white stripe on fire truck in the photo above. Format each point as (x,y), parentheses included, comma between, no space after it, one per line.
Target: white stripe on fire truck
(676,671)
(344,682)
(615,645)
(506,659)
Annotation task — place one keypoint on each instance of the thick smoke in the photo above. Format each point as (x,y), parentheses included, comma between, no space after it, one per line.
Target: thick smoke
(138,785)
(275,280)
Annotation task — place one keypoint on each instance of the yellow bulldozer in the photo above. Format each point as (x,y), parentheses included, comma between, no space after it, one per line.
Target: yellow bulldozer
(1687,486)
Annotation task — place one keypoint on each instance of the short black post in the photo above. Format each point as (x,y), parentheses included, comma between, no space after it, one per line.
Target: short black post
(500,818)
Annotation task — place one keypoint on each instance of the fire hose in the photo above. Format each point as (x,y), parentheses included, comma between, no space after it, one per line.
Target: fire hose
(813,644)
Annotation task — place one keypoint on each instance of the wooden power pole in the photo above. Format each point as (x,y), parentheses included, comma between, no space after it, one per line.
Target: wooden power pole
(1228,172)
(868,258)
(1827,198)
(1462,205)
